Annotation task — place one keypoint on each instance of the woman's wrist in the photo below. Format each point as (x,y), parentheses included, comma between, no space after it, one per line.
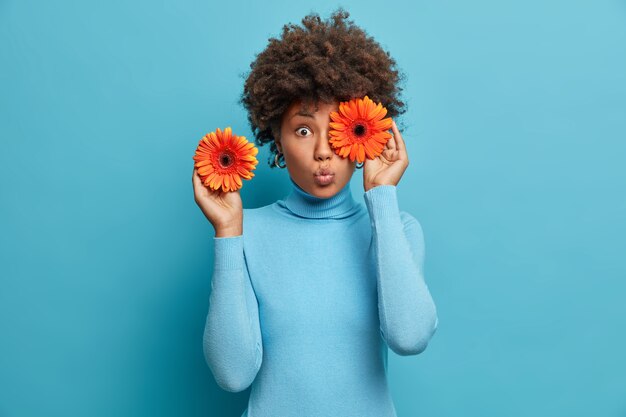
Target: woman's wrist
(229,231)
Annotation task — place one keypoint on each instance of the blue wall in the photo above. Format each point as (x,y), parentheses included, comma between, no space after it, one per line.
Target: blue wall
(516,133)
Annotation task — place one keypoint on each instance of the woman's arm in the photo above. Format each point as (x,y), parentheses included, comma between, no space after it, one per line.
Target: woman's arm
(407,312)
(232,340)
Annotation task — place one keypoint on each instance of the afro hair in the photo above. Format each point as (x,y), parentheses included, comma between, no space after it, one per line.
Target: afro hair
(319,61)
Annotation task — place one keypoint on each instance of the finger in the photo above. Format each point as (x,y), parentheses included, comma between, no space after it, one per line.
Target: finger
(197,181)
(391,143)
(196,177)
(399,140)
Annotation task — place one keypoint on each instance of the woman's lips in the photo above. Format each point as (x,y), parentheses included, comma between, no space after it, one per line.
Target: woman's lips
(324,179)
(324,171)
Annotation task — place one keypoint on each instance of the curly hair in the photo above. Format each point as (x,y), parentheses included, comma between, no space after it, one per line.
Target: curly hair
(319,61)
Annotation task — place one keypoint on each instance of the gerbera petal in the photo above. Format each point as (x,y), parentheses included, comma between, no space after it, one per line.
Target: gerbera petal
(378,147)
(361,153)
(369,151)
(369,105)
(384,124)
(380,137)
(205,170)
(361,108)
(237,180)
(349,111)
(376,112)
(203,162)
(337,126)
(335,116)
(353,152)
(216,182)
(341,142)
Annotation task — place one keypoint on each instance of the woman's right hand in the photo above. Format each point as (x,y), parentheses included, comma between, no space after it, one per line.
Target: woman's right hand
(224,210)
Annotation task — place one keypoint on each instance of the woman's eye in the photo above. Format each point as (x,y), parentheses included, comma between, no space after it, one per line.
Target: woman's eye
(302,129)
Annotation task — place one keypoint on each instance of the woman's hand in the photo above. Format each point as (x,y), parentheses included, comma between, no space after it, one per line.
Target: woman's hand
(388,167)
(223,209)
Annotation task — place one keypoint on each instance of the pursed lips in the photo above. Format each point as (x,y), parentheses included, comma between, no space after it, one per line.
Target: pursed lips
(324,172)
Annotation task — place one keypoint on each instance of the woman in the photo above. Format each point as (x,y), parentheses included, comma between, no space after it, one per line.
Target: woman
(308,292)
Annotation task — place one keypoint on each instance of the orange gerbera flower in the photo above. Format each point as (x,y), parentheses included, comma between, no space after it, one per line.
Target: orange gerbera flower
(223,159)
(359,130)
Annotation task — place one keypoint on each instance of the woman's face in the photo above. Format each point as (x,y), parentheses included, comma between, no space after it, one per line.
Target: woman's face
(304,141)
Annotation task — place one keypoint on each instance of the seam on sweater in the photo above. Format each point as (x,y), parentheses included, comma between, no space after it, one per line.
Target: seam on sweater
(258,341)
(237,268)
(383,303)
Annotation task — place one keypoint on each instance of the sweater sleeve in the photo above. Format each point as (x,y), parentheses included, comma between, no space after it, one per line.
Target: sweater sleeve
(407,312)
(232,341)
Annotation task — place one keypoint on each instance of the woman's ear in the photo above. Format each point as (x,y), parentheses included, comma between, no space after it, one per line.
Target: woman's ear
(276,134)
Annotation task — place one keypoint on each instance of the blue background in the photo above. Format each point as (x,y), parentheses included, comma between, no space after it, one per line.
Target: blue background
(516,133)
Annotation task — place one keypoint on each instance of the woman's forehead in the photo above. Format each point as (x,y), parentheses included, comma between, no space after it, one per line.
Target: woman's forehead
(308,106)
(305,105)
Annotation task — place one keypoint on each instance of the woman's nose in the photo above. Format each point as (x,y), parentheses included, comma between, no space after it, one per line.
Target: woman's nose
(323,148)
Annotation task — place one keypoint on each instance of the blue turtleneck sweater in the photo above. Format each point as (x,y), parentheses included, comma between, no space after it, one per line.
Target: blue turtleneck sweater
(305,302)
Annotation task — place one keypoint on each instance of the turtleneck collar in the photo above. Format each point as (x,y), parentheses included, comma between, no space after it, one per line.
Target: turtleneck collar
(303,204)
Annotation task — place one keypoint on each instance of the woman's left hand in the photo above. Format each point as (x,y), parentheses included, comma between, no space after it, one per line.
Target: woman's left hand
(388,167)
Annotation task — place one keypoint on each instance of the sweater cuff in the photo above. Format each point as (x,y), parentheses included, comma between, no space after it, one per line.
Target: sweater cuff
(382,204)
(228,252)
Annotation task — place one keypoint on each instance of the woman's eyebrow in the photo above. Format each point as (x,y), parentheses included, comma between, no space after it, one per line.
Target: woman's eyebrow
(302,113)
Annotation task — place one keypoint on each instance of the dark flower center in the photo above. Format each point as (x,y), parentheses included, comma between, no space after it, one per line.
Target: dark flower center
(226,159)
(359,130)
